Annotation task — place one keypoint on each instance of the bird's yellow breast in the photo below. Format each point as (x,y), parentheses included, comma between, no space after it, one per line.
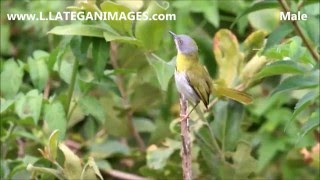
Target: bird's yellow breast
(185,61)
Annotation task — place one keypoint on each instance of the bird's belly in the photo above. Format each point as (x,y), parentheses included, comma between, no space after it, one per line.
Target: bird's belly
(184,88)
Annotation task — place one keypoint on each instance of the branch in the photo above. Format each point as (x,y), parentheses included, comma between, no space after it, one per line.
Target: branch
(298,30)
(123,175)
(186,147)
(125,100)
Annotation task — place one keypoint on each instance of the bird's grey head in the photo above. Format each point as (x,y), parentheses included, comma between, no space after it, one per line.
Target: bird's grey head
(184,44)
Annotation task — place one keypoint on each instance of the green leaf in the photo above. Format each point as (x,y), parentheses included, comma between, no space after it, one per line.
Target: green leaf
(104,164)
(278,34)
(157,157)
(303,103)
(149,32)
(79,46)
(11,78)
(164,70)
(91,171)
(57,54)
(81,30)
(92,106)
(143,125)
(100,54)
(256,7)
(312,123)
(53,144)
(266,19)
(55,117)
(39,72)
(309,80)
(72,163)
(118,38)
(270,145)
(115,123)
(121,25)
(244,163)
(109,148)
(228,118)
(252,44)
(280,67)
(29,105)
(227,54)
(5,104)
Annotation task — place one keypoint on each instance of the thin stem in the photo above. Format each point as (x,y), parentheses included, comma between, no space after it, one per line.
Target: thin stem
(72,85)
(125,101)
(299,32)
(124,175)
(185,137)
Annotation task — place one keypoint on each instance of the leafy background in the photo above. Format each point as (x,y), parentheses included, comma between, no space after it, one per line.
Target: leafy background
(96,99)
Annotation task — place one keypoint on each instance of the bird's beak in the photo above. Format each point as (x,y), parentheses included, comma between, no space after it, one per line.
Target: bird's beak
(173,34)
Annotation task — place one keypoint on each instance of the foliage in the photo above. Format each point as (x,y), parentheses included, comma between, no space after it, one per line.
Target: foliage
(107,88)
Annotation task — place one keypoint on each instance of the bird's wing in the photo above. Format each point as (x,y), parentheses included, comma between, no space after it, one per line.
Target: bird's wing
(198,81)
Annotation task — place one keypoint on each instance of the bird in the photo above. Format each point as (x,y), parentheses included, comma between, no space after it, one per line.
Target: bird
(192,79)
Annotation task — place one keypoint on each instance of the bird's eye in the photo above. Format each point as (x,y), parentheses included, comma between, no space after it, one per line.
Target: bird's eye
(180,41)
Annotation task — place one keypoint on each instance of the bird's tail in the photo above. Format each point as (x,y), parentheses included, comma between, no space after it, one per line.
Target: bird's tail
(236,95)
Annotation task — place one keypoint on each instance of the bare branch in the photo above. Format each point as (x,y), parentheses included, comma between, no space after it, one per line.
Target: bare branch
(185,138)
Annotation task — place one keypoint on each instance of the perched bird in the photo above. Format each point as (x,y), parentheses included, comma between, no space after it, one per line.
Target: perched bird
(192,78)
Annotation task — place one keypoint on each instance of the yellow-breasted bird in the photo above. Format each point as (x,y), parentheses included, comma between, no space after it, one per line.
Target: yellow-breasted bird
(192,78)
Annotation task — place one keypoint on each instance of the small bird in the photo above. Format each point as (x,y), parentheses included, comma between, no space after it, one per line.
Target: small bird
(192,78)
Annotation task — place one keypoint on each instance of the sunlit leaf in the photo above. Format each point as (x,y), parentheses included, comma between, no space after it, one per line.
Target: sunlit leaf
(11,82)
(118,38)
(53,144)
(164,70)
(38,71)
(5,104)
(227,54)
(120,23)
(72,163)
(55,117)
(266,19)
(29,105)
(256,7)
(81,30)
(281,67)
(150,32)
(91,171)
(253,43)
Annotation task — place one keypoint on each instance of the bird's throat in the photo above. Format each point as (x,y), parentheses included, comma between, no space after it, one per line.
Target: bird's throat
(186,61)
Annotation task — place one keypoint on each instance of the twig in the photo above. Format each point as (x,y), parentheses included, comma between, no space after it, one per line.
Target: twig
(125,101)
(124,175)
(186,147)
(72,85)
(46,90)
(298,30)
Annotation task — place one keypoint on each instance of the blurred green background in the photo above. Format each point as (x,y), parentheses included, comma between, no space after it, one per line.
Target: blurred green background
(107,87)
